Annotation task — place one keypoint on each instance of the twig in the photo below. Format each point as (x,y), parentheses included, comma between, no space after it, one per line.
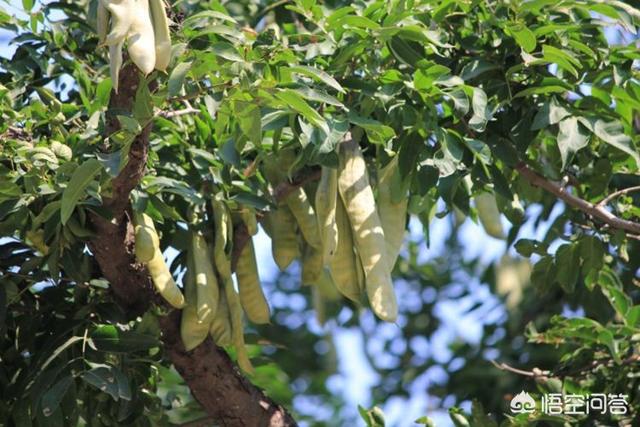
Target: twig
(595,211)
(616,194)
(178,113)
(535,373)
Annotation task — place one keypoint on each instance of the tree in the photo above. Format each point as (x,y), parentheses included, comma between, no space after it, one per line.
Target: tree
(526,107)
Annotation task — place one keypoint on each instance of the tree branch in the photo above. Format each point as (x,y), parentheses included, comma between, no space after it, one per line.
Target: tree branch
(208,371)
(596,211)
(617,194)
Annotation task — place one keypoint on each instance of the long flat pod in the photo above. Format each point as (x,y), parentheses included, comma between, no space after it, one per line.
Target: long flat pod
(343,264)
(251,296)
(192,331)
(205,279)
(122,14)
(311,265)
(359,202)
(147,250)
(305,216)
(489,215)
(237,326)
(146,238)
(220,329)
(140,39)
(222,238)
(161,33)
(284,239)
(393,216)
(325,205)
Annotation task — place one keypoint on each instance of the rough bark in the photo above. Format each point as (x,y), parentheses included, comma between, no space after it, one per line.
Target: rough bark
(228,397)
(596,211)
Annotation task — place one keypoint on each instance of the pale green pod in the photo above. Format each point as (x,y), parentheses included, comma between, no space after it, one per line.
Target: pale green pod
(325,205)
(162,34)
(343,266)
(305,216)
(192,331)
(205,279)
(284,238)
(489,215)
(220,329)
(311,265)
(140,39)
(359,202)
(251,295)
(393,216)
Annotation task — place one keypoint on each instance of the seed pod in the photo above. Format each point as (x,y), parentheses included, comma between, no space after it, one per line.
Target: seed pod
(357,195)
(237,326)
(393,216)
(140,39)
(248,216)
(207,290)
(163,281)
(146,237)
(343,264)
(284,239)
(102,18)
(192,331)
(311,265)
(251,296)
(489,215)
(115,62)
(161,33)
(221,326)
(319,306)
(305,216)
(222,240)
(122,14)
(325,204)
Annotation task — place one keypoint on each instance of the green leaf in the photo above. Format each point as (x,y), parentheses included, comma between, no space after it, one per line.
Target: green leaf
(523,36)
(143,106)
(104,379)
(632,318)
(528,247)
(562,57)
(541,90)
(318,75)
(425,421)
(176,79)
(27,5)
(226,50)
(358,22)
(376,131)
(612,133)
(571,138)
(481,112)
(592,252)
(567,264)
(250,120)
(81,178)
(476,68)
(109,338)
(297,103)
(202,16)
(549,114)
(52,398)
